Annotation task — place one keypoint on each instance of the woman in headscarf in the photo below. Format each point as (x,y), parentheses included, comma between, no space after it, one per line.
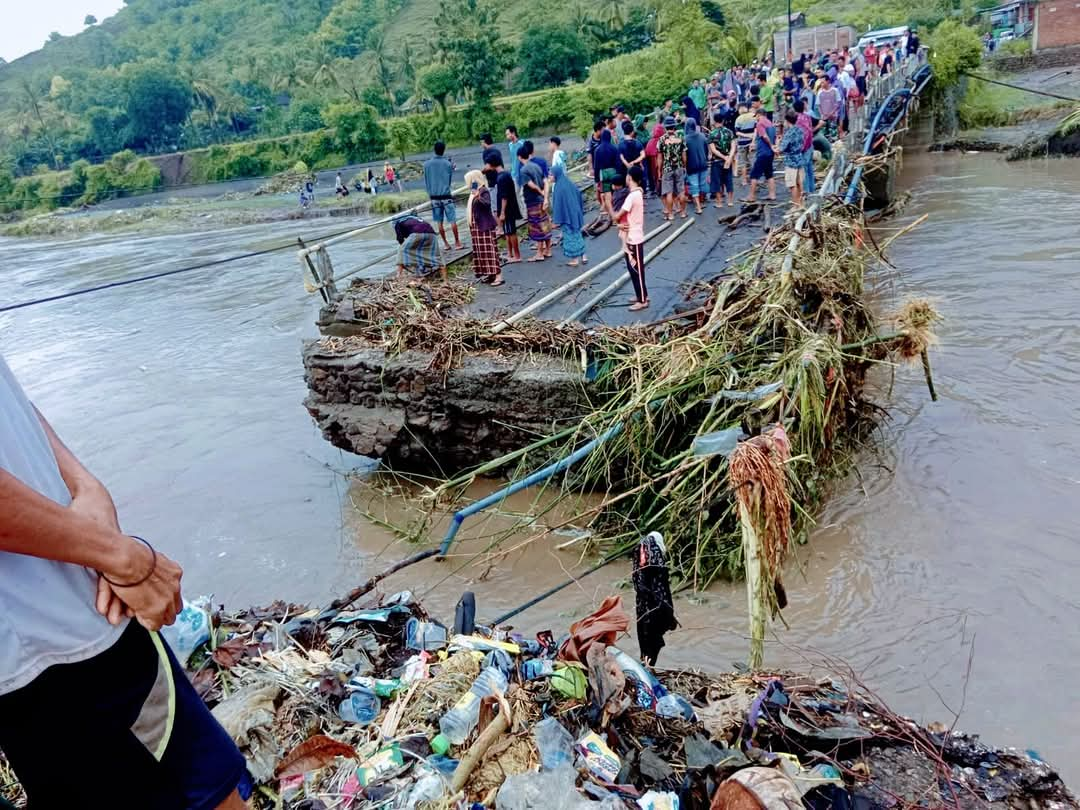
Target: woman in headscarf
(482,229)
(652,156)
(605,161)
(568,212)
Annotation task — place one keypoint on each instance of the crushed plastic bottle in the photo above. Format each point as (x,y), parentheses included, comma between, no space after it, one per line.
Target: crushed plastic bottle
(456,725)
(360,707)
(537,668)
(675,707)
(424,635)
(555,744)
(543,791)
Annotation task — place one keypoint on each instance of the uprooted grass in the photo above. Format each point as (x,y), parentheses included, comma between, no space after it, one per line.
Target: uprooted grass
(788,338)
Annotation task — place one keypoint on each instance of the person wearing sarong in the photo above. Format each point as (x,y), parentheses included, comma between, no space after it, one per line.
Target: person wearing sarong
(482,229)
(532,189)
(419,251)
(568,212)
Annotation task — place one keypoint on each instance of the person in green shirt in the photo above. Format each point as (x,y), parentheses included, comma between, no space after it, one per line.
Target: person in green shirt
(767,94)
(697,95)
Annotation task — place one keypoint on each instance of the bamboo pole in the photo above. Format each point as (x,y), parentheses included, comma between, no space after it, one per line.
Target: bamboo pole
(929,376)
(619,282)
(495,729)
(558,292)
(755,584)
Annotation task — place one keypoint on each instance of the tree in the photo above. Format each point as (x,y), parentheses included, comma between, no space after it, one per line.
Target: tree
(55,37)
(381,61)
(357,132)
(551,54)
(89,20)
(438,81)
(714,12)
(158,101)
(470,46)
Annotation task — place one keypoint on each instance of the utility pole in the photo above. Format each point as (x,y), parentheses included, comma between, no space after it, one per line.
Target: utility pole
(790,54)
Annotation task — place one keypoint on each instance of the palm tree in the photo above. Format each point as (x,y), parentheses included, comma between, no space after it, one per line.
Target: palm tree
(610,13)
(382,62)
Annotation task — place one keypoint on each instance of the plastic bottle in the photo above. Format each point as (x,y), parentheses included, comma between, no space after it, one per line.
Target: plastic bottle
(675,707)
(537,668)
(456,725)
(554,743)
(424,635)
(361,707)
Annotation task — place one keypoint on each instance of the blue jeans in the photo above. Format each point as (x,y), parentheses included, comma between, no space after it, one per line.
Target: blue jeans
(808,164)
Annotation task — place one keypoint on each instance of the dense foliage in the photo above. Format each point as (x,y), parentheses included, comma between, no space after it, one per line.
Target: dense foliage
(249,89)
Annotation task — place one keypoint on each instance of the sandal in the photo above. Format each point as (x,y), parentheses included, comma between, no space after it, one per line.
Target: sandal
(637,306)
(537,258)
(498,283)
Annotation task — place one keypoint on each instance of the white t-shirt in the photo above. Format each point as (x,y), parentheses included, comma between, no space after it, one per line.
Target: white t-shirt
(47,613)
(634,206)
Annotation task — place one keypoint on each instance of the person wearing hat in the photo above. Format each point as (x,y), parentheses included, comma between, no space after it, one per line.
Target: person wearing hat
(672,151)
(764,155)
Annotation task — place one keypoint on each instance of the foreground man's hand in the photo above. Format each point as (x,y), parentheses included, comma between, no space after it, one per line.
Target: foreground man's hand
(156,600)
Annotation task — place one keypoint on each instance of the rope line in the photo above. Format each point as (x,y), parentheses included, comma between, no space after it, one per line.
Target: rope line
(163,274)
(1018,87)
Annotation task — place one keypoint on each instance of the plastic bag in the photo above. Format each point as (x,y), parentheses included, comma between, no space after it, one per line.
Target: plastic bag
(190,630)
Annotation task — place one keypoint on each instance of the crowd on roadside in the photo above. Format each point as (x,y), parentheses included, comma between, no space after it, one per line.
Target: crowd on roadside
(733,126)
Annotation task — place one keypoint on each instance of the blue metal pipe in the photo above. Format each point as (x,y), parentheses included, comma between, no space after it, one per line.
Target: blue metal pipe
(872,133)
(535,478)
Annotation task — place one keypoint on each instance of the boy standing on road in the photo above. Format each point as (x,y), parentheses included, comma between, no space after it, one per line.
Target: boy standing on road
(744,139)
(70,584)
(438,182)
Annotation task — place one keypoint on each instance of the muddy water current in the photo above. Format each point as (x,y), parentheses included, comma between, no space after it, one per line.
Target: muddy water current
(945,572)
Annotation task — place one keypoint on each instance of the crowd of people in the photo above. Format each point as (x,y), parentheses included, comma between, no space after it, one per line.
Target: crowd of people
(731,127)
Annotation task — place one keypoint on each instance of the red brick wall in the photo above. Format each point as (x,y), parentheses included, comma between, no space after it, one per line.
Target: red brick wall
(1057,24)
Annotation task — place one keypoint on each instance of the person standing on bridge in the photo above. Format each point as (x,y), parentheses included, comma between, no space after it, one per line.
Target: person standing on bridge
(567,212)
(438,182)
(483,230)
(80,655)
(532,189)
(672,150)
(631,218)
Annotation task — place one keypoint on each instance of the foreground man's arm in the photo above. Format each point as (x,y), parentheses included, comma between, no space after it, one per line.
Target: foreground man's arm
(86,533)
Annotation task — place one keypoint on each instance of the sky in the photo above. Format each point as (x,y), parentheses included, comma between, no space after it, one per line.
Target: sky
(27,25)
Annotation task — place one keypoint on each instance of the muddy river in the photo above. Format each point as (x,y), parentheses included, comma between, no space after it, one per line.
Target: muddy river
(944,573)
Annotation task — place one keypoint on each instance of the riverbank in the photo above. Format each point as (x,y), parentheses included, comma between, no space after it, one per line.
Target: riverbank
(1013,121)
(177,215)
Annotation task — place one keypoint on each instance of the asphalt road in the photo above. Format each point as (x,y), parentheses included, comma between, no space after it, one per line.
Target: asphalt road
(466,158)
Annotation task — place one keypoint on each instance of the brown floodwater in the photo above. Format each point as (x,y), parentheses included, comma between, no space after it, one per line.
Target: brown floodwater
(943,572)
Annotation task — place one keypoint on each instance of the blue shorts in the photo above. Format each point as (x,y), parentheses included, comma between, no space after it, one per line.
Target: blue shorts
(443,209)
(112,713)
(763,167)
(697,183)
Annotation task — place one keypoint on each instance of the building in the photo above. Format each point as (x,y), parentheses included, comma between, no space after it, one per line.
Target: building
(1056,24)
(811,40)
(1017,16)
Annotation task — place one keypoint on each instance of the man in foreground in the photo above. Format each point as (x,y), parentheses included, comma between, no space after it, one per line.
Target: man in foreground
(438,182)
(75,669)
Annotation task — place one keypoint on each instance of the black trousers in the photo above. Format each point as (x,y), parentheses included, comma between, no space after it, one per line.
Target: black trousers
(635,266)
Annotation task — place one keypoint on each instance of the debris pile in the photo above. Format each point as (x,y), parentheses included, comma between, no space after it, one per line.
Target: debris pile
(383,707)
(288,181)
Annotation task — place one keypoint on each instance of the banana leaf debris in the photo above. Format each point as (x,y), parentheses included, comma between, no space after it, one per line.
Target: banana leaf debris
(380,706)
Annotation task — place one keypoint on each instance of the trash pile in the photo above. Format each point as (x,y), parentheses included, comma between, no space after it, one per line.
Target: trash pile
(382,706)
